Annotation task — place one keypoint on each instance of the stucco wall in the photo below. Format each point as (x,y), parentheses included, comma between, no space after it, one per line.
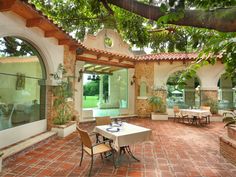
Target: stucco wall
(208,75)
(156,74)
(52,55)
(97,41)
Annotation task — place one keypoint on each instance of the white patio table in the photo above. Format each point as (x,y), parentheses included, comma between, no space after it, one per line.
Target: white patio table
(128,134)
(197,114)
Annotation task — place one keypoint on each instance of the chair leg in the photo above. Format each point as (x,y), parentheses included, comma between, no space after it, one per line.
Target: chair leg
(82,155)
(101,156)
(91,165)
(113,157)
(97,138)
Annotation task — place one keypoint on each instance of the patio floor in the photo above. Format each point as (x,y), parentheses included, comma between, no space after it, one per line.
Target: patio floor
(176,150)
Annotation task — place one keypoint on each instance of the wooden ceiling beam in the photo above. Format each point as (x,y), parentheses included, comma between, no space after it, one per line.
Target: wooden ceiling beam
(7,5)
(64,42)
(121,60)
(110,58)
(51,33)
(89,67)
(34,22)
(102,62)
(99,56)
(97,72)
(73,47)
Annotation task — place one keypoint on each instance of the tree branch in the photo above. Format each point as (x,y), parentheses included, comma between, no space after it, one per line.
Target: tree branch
(223,19)
(105,4)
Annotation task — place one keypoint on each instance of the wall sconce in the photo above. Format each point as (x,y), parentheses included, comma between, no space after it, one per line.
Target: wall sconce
(133,80)
(80,75)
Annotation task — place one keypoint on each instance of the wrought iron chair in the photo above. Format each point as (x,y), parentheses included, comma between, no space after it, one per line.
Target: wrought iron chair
(93,149)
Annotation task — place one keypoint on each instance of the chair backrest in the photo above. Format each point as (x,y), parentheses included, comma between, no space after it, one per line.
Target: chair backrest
(85,137)
(205,108)
(103,120)
(176,109)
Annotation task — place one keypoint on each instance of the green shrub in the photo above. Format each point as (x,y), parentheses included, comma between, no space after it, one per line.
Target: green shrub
(62,92)
(157,103)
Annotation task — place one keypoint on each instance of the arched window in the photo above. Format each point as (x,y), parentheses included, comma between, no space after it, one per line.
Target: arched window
(22,88)
(226,92)
(186,96)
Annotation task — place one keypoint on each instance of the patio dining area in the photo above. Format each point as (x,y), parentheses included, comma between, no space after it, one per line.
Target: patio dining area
(174,150)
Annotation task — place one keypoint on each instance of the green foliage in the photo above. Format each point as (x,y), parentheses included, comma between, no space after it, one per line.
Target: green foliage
(213,105)
(12,46)
(91,88)
(89,16)
(229,118)
(1,154)
(157,103)
(62,92)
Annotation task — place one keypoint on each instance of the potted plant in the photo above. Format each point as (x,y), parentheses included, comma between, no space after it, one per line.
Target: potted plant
(213,105)
(1,154)
(159,108)
(230,120)
(63,112)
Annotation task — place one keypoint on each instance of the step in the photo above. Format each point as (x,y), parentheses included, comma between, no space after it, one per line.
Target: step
(30,143)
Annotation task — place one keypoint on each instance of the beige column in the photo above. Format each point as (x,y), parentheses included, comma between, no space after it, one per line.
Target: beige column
(101,89)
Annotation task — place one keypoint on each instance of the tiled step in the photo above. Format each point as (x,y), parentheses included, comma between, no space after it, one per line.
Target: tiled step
(92,119)
(23,146)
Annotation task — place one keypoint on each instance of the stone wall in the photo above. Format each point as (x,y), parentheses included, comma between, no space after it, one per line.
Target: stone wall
(69,64)
(208,95)
(144,72)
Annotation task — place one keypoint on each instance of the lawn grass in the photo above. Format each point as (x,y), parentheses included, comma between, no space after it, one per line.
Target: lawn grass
(90,101)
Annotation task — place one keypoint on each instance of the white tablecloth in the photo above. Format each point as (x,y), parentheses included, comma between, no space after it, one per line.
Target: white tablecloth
(195,112)
(129,134)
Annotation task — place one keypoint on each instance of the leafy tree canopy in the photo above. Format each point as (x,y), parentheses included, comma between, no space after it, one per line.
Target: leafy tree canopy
(164,26)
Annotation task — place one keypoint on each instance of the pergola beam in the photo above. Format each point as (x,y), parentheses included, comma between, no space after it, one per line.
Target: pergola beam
(103,62)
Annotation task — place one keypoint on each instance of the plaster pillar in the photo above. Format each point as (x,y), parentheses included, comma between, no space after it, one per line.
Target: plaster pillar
(79,90)
(131,92)
(101,89)
(208,94)
(226,91)
(189,92)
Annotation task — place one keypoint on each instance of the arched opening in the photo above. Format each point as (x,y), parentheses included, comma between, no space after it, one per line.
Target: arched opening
(185,97)
(226,92)
(22,89)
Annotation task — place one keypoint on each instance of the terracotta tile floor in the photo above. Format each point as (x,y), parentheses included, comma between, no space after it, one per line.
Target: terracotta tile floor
(176,150)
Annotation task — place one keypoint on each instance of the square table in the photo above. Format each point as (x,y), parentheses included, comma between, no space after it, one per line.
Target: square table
(127,135)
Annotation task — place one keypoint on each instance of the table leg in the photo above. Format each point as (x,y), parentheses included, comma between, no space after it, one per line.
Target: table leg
(131,154)
(125,150)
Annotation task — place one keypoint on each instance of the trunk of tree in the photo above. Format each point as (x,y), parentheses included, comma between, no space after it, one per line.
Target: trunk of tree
(223,19)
